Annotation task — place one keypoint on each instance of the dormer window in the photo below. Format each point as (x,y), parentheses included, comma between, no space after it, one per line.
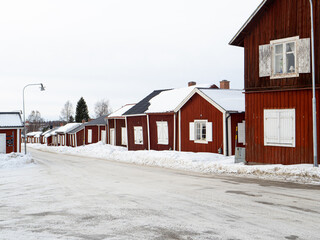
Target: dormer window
(284,58)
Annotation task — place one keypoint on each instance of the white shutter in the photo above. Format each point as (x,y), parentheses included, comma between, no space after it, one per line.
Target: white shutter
(89,135)
(103,136)
(3,143)
(303,55)
(271,127)
(162,132)
(209,131)
(123,136)
(165,133)
(191,131)
(265,60)
(140,135)
(287,127)
(242,132)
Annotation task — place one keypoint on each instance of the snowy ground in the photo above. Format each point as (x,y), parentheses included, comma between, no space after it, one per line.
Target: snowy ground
(61,196)
(207,163)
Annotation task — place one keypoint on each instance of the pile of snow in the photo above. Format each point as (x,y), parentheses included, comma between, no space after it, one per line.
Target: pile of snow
(207,163)
(14,160)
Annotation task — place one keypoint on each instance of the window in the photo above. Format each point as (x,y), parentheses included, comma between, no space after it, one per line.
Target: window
(138,136)
(284,58)
(124,136)
(200,131)
(89,135)
(162,132)
(279,127)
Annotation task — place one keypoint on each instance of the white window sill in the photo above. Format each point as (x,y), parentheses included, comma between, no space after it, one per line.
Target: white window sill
(201,141)
(284,75)
(279,145)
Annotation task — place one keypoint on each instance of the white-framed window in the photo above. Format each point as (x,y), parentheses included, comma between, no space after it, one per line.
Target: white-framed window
(200,131)
(162,132)
(242,132)
(124,136)
(138,135)
(89,135)
(279,127)
(285,58)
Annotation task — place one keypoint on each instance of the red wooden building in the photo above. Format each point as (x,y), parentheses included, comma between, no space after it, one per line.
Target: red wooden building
(187,119)
(95,130)
(278,81)
(61,132)
(11,127)
(76,136)
(117,130)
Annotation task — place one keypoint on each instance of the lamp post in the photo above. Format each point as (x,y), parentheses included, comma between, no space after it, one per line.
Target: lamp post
(24,113)
(314,103)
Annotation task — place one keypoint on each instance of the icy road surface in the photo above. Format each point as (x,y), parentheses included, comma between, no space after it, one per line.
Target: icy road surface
(69,197)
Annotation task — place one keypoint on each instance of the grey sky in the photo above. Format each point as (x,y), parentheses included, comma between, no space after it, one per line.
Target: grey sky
(118,50)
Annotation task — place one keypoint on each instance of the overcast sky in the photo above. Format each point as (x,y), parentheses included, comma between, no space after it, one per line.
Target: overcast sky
(120,50)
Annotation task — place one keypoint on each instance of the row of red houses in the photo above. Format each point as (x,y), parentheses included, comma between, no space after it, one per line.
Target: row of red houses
(194,118)
(278,97)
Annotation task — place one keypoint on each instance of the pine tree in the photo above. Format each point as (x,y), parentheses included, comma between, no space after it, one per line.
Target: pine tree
(82,112)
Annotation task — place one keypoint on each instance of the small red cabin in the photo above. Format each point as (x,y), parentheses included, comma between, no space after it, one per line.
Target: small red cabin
(11,127)
(278,81)
(95,130)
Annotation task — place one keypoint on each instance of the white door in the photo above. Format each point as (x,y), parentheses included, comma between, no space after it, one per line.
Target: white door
(112,136)
(103,136)
(2,143)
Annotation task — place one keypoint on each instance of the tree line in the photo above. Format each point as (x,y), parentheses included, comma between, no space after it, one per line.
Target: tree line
(35,122)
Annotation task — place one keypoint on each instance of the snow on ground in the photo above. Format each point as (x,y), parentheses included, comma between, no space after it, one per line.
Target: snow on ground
(15,160)
(207,163)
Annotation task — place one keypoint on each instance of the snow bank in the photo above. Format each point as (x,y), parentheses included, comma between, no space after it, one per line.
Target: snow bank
(207,163)
(14,160)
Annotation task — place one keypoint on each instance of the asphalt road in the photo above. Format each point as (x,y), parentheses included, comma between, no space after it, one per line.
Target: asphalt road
(68,197)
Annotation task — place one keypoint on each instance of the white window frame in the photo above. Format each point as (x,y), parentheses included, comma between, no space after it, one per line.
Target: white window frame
(138,135)
(193,131)
(89,135)
(162,132)
(284,41)
(124,136)
(277,121)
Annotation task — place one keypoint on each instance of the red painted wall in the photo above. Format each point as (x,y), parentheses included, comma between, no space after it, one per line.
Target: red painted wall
(137,121)
(94,134)
(13,132)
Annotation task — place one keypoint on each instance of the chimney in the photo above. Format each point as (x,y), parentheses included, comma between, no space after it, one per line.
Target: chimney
(191,84)
(224,84)
(83,120)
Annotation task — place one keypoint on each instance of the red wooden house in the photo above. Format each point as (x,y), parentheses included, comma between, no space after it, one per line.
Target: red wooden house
(62,133)
(11,127)
(278,81)
(117,130)
(76,136)
(95,130)
(187,119)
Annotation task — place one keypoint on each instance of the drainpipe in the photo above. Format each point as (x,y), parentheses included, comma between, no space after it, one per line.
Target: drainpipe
(227,134)
(314,103)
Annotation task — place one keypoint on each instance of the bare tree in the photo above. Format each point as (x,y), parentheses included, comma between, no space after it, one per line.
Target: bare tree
(102,108)
(67,112)
(35,121)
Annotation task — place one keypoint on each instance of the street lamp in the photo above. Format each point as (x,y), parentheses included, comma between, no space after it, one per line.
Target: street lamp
(314,109)
(24,113)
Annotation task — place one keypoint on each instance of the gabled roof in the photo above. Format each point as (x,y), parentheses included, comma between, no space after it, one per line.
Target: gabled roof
(77,129)
(237,40)
(143,105)
(10,120)
(230,100)
(49,132)
(98,121)
(34,134)
(118,113)
(67,127)
(168,101)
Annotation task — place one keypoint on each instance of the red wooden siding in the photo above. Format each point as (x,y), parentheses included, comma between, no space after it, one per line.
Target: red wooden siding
(198,108)
(280,19)
(235,119)
(153,131)
(117,124)
(95,134)
(80,137)
(8,133)
(131,123)
(301,102)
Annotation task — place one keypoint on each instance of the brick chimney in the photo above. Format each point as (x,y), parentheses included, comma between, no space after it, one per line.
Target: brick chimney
(191,83)
(224,84)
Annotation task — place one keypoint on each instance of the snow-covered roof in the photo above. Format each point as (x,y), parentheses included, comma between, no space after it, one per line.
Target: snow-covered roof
(168,101)
(67,127)
(228,99)
(51,132)
(10,119)
(34,134)
(120,111)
